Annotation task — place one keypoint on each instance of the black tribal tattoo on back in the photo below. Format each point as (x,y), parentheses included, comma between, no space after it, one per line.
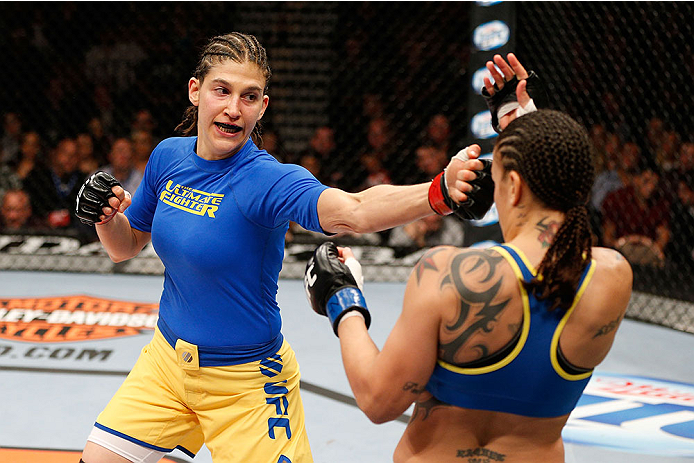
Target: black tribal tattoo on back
(461,268)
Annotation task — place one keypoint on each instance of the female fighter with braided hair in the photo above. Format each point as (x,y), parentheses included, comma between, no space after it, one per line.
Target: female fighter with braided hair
(216,208)
(494,346)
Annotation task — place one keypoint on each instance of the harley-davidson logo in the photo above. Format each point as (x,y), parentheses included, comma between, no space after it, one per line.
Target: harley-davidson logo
(73,318)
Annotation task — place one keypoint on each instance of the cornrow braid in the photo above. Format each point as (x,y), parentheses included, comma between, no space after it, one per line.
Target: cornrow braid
(552,153)
(237,47)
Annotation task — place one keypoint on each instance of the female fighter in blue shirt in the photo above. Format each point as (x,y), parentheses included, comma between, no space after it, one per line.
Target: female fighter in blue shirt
(216,208)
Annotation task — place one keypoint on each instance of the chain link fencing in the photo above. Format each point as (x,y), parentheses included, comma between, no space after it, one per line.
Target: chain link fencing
(362,93)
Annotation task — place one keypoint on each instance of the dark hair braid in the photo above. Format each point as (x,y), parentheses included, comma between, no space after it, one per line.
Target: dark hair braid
(552,153)
(237,47)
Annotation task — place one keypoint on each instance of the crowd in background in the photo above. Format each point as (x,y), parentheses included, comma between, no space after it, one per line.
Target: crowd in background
(642,200)
(104,103)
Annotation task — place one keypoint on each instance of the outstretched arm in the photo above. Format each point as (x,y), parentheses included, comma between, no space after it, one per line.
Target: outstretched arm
(387,206)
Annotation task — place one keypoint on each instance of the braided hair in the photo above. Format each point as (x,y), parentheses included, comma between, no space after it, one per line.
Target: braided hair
(552,153)
(237,47)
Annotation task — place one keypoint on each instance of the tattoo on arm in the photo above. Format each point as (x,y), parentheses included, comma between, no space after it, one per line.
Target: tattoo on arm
(547,231)
(414,388)
(425,407)
(608,327)
(480,455)
(426,263)
(466,263)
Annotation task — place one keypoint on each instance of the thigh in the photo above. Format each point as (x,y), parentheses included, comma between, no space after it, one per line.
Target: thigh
(255,413)
(150,406)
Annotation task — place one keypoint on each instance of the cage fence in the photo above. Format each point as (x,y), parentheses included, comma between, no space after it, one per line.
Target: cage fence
(362,93)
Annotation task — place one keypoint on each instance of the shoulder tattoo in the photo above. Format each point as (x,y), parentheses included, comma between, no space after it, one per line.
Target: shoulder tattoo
(473,276)
(426,263)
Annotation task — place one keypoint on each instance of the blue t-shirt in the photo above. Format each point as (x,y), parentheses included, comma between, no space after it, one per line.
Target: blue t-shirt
(219,227)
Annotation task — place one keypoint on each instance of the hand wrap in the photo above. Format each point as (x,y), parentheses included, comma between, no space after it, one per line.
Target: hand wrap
(478,202)
(330,287)
(507,94)
(93,197)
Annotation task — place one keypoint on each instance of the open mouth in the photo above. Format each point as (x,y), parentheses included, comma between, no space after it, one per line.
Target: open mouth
(228,128)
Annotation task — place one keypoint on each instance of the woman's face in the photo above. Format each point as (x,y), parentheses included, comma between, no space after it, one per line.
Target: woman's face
(230,101)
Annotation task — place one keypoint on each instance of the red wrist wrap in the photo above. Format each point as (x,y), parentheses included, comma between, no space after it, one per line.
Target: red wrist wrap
(436,198)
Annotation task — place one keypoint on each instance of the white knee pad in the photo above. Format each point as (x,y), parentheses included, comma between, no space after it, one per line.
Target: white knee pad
(123,447)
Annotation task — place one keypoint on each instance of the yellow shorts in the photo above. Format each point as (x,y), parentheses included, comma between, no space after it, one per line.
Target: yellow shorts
(242,413)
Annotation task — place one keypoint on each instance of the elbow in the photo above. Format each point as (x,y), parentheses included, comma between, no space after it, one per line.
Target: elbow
(378,415)
(349,222)
(116,258)
(379,409)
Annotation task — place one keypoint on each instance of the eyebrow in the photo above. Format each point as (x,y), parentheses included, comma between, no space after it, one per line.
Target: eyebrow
(224,82)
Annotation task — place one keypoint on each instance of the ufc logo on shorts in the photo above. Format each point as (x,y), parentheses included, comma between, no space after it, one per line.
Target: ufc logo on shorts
(276,395)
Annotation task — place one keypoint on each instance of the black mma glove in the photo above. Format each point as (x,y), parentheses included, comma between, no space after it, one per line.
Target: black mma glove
(535,89)
(93,197)
(478,202)
(330,287)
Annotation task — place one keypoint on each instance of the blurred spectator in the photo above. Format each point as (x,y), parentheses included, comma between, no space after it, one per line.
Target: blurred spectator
(654,134)
(11,139)
(379,139)
(121,165)
(617,174)
(16,214)
(104,107)
(53,188)
(144,121)
(100,140)
(438,133)
(322,145)
(433,230)
(378,155)
(312,164)
(143,144)
(605,144)
(666,152)
(430,162)
(372,107)
(30,154)
(376,174)
(682,169)
(636,221)
(272,144)
(680,249)
(8,180)
(85,152)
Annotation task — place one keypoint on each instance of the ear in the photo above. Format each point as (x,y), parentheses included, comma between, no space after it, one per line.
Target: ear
(266,101)
(194,91)
(516,187)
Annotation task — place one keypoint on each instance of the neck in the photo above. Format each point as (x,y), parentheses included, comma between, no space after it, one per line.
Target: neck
(533,226)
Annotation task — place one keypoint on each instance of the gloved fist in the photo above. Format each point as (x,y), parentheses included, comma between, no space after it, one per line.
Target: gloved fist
(94,196)
(479,199)
(331,288)
(507,94)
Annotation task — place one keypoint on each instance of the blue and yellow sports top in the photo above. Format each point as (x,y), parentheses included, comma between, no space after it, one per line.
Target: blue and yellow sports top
(530,380)
(219,228)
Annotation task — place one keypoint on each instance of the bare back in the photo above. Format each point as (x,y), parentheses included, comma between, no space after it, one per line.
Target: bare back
(479,300)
